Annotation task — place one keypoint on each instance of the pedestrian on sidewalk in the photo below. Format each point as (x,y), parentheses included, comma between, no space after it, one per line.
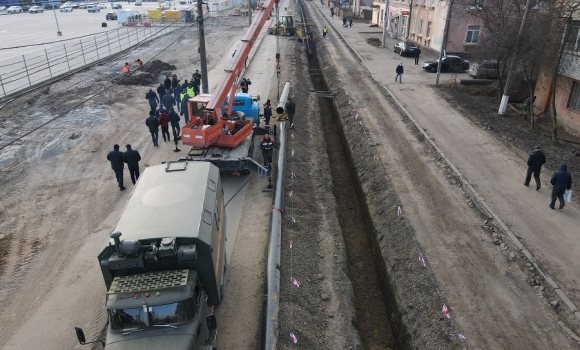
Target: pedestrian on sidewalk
(350,22)
(132,158)
(417,53)
(535,162)
(151,96)
(344,21)
(164,123)
(399,71)
(332,12)
(528,105)
(324,31)
(153,124)
(562,181)
(290,109)
(116,159)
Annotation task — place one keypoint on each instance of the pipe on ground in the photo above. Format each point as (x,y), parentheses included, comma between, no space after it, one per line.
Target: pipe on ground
(271,306)
(283,98)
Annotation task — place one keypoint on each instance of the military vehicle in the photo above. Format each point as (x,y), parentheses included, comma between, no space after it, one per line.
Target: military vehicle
(164,265)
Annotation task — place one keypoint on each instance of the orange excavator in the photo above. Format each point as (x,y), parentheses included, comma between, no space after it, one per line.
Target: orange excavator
(212,126)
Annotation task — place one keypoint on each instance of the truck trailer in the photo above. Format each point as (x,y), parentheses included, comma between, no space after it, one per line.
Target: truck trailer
(165,261)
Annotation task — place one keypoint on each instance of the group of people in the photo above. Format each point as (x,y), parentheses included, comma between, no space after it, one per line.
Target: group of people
(561,179)
(118,160)
(171,95)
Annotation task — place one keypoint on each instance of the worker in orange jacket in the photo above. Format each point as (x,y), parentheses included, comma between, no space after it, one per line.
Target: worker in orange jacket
(126,68)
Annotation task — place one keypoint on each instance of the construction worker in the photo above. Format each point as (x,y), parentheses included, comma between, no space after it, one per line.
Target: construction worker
(290,109)
(324,31)
(184,109)
(168,101)
(190,90)
(126,68)
(139,63)
(244,85)
(267,146)
(196,80)
(177,95)
(267,113)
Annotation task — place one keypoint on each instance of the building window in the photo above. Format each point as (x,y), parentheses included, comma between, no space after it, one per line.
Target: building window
(473,35)
(428,30)
(432,3)
(420,28)
(413,23)
(574,100)
(423,2)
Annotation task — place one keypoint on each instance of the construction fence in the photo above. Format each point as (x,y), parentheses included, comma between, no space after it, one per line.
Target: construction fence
(19,73)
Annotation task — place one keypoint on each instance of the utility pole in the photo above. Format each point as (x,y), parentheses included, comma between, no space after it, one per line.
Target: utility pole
(201,50)
(444,43)
(250,12)
(385,21)
(508,85)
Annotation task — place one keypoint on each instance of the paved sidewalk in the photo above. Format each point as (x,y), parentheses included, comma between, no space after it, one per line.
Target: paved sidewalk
(552,236)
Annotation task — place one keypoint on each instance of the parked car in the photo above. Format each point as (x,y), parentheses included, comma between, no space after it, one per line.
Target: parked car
(117,6)
(183,2)
(2,8)
(66,9)
(165,6)
(14,9)
(102,6)
(48,6)
(25,8)
(93,8)
(75,5)
(82,5)
(449,64)
(487,69)
(36,9)
(111,15)
(404,48)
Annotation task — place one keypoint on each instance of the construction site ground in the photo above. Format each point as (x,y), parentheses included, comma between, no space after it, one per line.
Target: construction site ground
(60,202)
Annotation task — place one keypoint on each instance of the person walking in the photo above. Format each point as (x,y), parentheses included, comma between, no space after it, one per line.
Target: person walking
(177,95)
(160,91)
(267,112)
(324,31)
(399,71)
(344,21)
(350,22)
(332,12)
(528,105)
(190,90)
(153,124)
(244,85)
(417,53)
(164,123)
(151,96)
(174,81)
(184,110)
(132,158)
(290,109)
(267,147)
(167,83)
(196,80)
(174,118)
(168,101)
(116,159)
(561,181)
(535,162)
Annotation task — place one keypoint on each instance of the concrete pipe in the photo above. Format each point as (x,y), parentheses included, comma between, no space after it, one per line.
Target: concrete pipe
(281,114)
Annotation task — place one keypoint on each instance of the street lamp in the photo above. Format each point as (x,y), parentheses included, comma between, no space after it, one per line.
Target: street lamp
(58,32)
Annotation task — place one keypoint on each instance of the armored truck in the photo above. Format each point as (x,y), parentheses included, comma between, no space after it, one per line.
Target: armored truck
(164,265)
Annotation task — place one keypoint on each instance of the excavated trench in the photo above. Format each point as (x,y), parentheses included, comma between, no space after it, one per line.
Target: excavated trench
(373,311)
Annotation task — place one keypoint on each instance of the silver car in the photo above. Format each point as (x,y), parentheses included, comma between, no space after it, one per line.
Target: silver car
(66,9)
(14,9)
(36,9)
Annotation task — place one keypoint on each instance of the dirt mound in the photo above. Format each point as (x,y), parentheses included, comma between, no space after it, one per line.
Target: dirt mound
(156,67)
(139,78)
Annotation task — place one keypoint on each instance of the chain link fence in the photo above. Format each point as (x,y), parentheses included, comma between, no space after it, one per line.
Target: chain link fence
(22,72)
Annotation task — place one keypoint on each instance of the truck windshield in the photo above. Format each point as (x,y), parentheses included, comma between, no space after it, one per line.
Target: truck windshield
(152,316)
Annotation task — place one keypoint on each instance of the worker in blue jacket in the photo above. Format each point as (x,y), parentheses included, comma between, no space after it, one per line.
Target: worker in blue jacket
(184,109)
(168,101)
(562,181)
(174,118)
(151,96)
(117,164)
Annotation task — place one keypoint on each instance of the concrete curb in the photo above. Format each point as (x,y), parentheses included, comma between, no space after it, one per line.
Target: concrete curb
(477,198)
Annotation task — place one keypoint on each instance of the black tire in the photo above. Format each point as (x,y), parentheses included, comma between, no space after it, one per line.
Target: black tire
(401,52)
(433,69)
(395,49)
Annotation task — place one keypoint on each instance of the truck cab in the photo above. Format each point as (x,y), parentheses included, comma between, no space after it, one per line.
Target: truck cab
(245,105)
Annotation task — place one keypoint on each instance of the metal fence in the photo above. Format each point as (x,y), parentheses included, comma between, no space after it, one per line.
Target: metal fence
(21,72)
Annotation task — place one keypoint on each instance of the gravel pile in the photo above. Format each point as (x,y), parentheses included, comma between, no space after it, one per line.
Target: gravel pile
(139,78)
(155,67)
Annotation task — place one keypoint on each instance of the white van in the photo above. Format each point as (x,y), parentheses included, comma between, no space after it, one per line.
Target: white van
(138,3)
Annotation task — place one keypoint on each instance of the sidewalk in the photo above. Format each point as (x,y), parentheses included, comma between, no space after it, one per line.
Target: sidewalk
(494,171)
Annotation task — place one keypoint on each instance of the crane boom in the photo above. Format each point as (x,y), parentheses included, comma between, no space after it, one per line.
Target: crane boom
(228,82)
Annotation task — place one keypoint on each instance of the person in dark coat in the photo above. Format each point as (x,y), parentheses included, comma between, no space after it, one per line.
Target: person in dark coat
(159,111)
(267,146)
(132,158)
(174,81)
(350,22)
(196,81)
(417,53)
(267,112)
(244,85)
(151,96)
(167,83)
(168,101)
(164,122)
(160,91)
(562,181)
(535,162)
(176,95)
(184,109)
(153,125)
(174,118)
(528,103)
(290,109)
(116,159)
(399,72)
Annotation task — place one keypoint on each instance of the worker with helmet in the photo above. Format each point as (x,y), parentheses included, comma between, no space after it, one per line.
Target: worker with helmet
(126,68)
(267,145)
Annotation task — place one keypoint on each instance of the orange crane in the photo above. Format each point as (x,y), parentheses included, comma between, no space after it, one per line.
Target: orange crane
(209,126)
